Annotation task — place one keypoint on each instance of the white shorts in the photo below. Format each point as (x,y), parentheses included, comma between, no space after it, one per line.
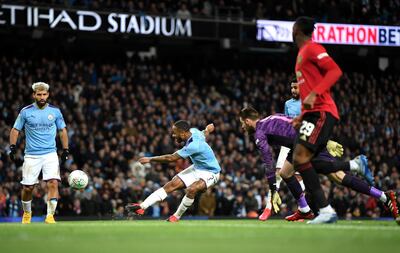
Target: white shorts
(34,164)
(191,175)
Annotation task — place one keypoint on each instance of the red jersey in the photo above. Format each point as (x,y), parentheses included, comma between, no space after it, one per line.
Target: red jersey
(316,71)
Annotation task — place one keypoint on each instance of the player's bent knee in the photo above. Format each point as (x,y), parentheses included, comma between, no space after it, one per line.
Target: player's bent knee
(300,158)
(284,174)
(174,184)
(28,188)
(191,191)
(301,154)
(53,183)
(169,187)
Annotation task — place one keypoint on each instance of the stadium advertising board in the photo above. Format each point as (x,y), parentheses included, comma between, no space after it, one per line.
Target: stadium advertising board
(326,33)
(91,21)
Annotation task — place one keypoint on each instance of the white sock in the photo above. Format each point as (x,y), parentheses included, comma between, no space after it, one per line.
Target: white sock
(327,209)
(269,204)
(354,166)
(51,206)
(304,209)
(27,206)
(278,182)
(303,187)
(185,204)
(383,197)
(156,196)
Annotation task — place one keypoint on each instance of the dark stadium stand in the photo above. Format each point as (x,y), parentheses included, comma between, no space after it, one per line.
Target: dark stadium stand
(122,109)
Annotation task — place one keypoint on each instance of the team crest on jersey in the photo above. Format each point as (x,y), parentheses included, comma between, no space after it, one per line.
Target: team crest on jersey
(257,141)
(50,117)
(298,74)
(299,59)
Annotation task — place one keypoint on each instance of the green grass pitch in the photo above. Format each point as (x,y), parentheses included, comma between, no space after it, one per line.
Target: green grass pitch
(245,236)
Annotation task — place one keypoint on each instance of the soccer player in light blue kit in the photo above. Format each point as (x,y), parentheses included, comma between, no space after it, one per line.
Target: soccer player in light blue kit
(293,105)
(41,122)
(292,110)
(198,177)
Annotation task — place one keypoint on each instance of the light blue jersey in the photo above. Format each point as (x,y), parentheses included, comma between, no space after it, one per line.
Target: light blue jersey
(41,127)
(293,107)
(200,152)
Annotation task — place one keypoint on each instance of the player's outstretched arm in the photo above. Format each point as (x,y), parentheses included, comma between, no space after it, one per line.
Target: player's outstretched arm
(209,129)
(160,159)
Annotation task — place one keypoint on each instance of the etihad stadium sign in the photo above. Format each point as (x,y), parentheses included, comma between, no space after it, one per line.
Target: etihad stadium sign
(329,33)
(91,21)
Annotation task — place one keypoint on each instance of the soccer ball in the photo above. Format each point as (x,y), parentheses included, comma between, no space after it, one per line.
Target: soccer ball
(78,179)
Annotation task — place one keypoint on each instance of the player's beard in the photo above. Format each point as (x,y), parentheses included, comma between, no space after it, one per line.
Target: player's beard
(178,141)
(295,96)
(250,130)
(41,102)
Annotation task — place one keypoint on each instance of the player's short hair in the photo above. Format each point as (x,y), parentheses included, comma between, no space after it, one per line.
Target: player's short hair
(182,125)
(249,113)
(39,86)
(293,80)
(306,25)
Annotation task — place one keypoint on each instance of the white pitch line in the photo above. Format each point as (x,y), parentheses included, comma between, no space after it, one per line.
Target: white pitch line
(304,226)
(211,224)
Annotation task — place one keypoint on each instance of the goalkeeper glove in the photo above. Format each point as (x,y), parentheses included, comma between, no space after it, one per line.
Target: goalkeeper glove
(334,148)
(275,201)
(13,152)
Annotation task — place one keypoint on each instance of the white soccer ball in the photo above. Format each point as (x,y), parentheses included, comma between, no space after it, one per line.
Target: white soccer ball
(78,179)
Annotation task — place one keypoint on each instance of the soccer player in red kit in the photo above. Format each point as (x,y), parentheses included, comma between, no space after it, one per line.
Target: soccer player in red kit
(316,73)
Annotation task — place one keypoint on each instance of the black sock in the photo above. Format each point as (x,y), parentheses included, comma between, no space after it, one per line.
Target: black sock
(312,183)
(356,184)
(294,186)
(344,165)
(327,167)
(272,182)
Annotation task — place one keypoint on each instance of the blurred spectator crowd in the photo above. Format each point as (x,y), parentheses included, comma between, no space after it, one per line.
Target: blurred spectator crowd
(384,12)
(116,113)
